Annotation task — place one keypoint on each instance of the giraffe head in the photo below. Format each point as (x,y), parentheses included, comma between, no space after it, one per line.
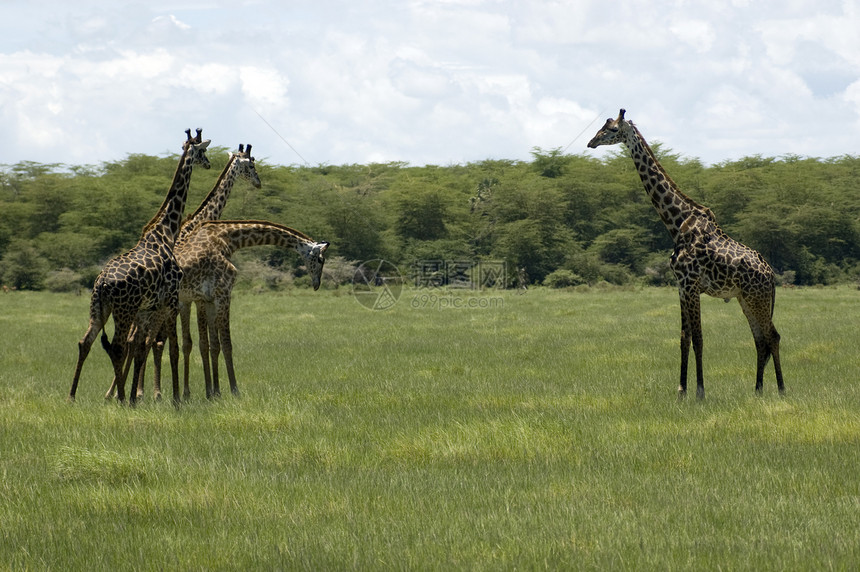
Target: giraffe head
(613,131)
(312,253)
(196,148)
(244,163)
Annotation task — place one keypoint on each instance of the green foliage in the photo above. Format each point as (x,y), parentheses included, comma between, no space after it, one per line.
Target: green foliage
(573,212)
(23,267)
(562,278)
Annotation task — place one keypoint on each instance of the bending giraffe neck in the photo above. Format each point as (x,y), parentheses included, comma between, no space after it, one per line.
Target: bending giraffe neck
(167,220)
(243,234)
(673,206)
(214,203)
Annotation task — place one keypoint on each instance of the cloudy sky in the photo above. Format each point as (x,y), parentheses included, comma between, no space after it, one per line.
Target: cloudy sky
(438,82)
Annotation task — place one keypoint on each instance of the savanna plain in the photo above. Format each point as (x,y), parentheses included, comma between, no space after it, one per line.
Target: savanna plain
(512,431)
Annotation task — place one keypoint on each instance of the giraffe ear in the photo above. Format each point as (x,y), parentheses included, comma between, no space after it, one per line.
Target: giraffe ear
(323,247)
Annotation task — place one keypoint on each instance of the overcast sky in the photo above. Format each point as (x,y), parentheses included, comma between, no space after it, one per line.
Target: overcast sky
(438,82)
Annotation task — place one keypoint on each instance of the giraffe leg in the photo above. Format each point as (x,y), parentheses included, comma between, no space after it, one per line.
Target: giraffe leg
(696,322)
(119,351)
(758,314)
(140,348)
(691,333)
(223,325)
(774,350)
(203,333)
(157,354)
(187,345)
(174,356)
(83,351)
(214,348)
(111,392)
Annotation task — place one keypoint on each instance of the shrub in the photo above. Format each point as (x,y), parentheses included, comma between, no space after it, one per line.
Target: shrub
(64,280)
(563,279)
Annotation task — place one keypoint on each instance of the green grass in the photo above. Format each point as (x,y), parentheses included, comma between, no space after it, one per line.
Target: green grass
(543,432)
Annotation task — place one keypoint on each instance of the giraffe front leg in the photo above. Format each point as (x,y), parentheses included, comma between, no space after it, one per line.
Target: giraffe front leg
(187,346)
(685,349)
(696,335)
(214,354)
(691,334)
(174,357)
(157,353)
(223,326)
(203,333)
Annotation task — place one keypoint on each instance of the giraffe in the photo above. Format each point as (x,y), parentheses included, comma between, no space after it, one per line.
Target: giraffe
(705,259)
(241,165)
(208,278)
(133,285)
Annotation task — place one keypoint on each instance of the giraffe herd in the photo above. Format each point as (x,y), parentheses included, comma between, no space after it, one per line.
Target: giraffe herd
(178,263)
(174,264)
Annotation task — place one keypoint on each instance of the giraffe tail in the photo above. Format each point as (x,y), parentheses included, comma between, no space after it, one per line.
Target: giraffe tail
(106,342)
(772,298)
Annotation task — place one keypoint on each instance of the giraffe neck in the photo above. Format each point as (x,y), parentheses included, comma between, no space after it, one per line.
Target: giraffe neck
(214,203)
(671,203)
(164,226)
(243,234)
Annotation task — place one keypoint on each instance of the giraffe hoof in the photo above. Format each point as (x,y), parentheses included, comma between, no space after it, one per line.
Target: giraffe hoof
(682,392)
(700,393)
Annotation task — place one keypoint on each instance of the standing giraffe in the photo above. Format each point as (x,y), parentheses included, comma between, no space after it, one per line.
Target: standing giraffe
(705,260)
(135,285)
(241,165)
(208,278)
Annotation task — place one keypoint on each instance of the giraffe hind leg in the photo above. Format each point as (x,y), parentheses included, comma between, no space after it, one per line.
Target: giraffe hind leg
(766,340)
(84,347)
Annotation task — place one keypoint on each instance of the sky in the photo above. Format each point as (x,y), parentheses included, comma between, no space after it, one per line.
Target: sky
(426,82)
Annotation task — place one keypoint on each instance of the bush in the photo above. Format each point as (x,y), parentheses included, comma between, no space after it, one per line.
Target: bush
(563,279)
(64,280)
(260,277)
(338,271)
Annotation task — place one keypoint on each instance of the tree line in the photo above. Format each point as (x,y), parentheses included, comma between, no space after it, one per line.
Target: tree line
(559,219)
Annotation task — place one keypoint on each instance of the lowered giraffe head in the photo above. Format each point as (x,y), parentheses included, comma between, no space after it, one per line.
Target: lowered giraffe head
(245,166)
(613,131)
(312,253)
(196,147)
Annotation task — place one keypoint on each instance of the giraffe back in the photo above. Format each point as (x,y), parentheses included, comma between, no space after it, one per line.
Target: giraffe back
(716,264)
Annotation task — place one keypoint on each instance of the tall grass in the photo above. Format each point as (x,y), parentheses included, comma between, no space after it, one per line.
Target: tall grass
(543,431)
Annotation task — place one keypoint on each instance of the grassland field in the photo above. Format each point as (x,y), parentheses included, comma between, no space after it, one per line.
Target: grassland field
(506,431)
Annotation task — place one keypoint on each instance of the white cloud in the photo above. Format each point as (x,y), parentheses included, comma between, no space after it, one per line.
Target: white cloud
(697,34)
(263,87)
(423,81)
